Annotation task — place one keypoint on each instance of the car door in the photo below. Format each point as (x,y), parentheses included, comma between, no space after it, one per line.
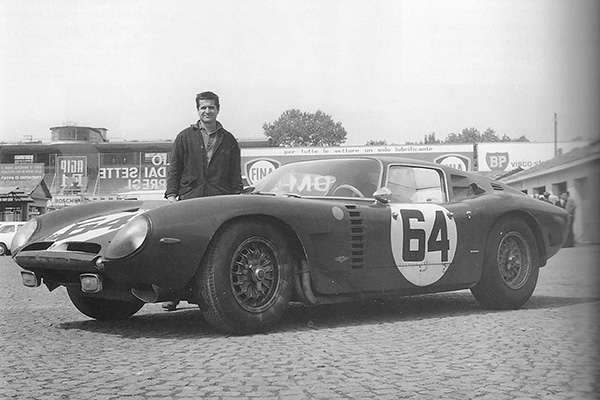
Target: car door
(426,232)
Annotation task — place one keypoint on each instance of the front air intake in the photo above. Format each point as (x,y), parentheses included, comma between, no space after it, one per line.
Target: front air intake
(84,247)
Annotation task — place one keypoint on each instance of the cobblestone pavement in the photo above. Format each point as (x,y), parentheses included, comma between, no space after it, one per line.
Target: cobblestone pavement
(441,346)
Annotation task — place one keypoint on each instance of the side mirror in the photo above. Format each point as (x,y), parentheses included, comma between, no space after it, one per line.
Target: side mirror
(383,195)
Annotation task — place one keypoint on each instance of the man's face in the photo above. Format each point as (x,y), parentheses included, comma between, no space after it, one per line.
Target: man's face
(207,111)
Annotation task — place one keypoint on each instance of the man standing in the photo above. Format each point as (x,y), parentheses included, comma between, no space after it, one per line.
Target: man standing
(205,160)
(545,197)
(569,205)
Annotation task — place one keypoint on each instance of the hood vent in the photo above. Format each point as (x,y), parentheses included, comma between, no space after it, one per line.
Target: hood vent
(357,237)
(497,186)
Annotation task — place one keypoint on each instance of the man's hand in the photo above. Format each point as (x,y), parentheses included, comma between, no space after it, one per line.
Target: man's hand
(172,199)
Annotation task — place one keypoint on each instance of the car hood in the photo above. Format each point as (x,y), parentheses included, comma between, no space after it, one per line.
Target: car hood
(87,228)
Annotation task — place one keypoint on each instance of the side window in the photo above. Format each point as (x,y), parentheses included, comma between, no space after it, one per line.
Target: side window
(415,185)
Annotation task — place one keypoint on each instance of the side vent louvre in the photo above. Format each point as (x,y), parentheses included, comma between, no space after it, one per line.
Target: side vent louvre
(357,237)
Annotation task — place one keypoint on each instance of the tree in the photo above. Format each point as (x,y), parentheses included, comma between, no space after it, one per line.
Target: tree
(470,135)
(295,128)
(490,136)
(376,143)
(431,139)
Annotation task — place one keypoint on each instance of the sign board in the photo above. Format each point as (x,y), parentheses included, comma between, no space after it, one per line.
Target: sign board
(507,156)
(71,174)
(150,173)
(259,162)
(21,172)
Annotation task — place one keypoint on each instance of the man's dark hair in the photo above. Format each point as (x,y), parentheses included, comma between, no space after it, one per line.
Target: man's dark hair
(207,96)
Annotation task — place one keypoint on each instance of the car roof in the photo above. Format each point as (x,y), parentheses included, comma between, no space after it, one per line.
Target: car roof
(387,160)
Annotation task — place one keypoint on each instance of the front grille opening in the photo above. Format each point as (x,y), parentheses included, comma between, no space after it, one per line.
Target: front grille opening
(84,247)
(37,246)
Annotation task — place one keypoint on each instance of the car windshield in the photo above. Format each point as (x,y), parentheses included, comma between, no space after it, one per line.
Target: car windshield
(334,178)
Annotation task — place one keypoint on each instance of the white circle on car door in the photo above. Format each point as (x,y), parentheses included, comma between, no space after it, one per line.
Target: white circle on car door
(424,239)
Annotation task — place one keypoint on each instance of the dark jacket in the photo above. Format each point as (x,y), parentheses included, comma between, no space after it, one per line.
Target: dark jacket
(190,175)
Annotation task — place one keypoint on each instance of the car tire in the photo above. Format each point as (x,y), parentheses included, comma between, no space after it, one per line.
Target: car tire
(245,279)
(511,266)
(3,249)
(104,309)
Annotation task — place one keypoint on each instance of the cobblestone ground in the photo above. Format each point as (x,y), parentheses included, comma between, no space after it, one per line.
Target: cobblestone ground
(425,347)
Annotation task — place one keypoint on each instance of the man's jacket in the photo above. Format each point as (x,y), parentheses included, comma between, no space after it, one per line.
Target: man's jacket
(191,175)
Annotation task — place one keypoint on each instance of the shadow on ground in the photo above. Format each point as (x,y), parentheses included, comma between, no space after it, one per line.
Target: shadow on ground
(187,321)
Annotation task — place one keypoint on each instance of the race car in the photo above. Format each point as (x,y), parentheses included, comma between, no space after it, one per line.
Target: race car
(316,232)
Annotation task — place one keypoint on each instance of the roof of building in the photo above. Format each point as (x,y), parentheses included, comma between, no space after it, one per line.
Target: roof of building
(24,189)
(575,156)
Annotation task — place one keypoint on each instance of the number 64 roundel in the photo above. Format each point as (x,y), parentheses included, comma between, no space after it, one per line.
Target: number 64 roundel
(423,240)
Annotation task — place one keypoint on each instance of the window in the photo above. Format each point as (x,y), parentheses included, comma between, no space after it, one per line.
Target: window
(7,229)
(23,158)
(415,185)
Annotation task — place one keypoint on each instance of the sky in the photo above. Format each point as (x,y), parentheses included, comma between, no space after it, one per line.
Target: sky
(388,70)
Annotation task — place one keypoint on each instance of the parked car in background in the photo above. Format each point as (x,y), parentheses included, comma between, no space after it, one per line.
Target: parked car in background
(316,232)
(7,232)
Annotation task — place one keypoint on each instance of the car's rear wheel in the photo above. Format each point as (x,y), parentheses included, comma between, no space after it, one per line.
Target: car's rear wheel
(245,279)
(3,249)
(511,266)
(104,309)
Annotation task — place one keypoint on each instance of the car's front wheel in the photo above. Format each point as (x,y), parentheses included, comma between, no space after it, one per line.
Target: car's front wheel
(3,249)
(104,309)
(245,279)
(511,266)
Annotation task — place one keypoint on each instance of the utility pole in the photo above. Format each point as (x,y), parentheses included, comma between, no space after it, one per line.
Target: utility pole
(555,135)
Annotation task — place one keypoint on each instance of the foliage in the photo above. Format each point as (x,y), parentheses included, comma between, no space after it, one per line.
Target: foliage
(431,139)
(376,143)
(470,135)
(295,128)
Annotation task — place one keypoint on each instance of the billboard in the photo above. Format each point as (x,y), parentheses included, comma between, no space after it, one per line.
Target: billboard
(132,172)
(71,174)
(21,172)
(507,156)
(259,162)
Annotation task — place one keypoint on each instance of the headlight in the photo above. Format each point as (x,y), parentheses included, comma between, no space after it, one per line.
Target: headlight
(22,236)
(129,238)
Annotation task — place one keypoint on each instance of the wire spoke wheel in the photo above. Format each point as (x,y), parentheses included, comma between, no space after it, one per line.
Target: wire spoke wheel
(510,266)
(246,276)
(255,270)
(514,260)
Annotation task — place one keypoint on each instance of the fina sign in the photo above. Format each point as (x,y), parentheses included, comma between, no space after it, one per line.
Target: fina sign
(259,168)
(455,161)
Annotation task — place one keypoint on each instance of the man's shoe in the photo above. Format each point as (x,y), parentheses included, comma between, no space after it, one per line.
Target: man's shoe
(170,305)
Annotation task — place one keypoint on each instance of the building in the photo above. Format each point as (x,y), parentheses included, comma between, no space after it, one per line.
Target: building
(577,172)
(80,165)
